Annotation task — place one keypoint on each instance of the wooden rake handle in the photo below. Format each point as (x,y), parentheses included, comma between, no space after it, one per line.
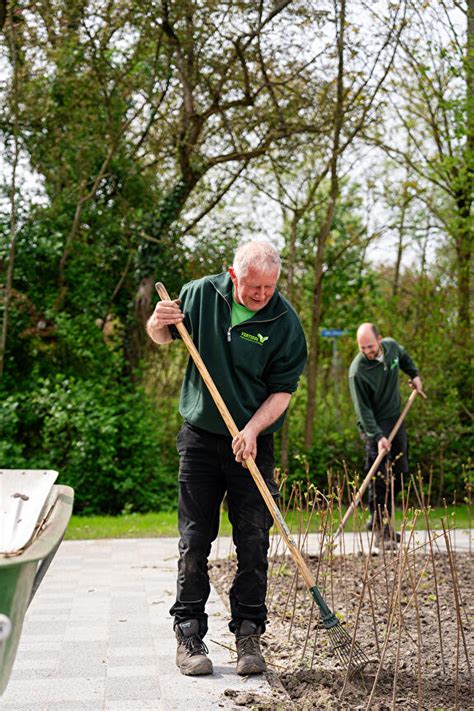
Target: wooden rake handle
(358,497)
(250,462)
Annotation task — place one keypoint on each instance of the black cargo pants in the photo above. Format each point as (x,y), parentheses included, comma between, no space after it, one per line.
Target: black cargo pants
(207,470)
(393,465)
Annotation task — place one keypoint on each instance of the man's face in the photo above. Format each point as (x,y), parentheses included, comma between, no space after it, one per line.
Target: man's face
(255,288)
(370,345)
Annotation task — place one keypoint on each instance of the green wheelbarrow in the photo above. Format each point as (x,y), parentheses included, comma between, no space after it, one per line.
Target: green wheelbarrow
(34,514)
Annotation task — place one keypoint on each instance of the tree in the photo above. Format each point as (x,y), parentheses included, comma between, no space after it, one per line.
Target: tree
(431,103)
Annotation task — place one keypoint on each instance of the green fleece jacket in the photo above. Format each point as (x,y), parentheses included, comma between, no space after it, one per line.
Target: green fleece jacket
(375,386)
(248,362)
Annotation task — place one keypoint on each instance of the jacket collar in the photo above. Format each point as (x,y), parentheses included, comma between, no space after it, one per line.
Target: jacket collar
(275,307)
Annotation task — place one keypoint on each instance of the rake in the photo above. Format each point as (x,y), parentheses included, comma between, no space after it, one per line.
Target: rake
(348,650)
(374,468)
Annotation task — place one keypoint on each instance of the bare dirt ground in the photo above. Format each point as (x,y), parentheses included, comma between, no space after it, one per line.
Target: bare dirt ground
(412,614)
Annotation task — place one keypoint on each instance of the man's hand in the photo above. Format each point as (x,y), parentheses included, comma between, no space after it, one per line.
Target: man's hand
(416,384)
(384,444)
(244,444)
(166,313)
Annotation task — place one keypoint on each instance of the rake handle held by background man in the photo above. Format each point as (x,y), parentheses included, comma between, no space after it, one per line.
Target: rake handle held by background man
(373,469)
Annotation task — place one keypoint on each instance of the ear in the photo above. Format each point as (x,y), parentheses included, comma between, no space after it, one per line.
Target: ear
(233,276)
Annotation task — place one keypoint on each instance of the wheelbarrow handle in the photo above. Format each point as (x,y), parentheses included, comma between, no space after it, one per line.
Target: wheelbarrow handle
(250,462)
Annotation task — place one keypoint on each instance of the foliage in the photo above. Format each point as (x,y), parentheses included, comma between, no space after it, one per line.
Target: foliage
(102,436)
(149,133)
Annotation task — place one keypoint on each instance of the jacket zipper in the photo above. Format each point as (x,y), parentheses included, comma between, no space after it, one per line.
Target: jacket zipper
(265,320)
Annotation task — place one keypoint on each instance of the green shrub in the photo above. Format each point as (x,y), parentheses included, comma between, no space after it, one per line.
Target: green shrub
(104,438)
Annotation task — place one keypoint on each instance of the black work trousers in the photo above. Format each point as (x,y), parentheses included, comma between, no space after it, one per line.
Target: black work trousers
(393,465)
(207,471)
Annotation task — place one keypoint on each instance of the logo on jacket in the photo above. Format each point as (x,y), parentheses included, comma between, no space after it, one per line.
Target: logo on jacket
(394,364)
(258,339)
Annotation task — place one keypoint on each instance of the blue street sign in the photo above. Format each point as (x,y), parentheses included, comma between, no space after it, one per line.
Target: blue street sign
(332,332)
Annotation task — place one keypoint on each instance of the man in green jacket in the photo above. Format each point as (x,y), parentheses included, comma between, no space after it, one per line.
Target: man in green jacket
(253,345)
(375,391)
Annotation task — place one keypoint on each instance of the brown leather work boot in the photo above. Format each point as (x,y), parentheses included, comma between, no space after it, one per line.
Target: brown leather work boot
(249,655)
(191,653)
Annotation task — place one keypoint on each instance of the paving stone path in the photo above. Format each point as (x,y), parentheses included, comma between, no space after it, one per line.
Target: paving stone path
(98,636)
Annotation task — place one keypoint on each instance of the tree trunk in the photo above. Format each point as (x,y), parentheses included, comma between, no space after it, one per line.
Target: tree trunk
(314,343)
(464,240)
(13,204)
(285,432)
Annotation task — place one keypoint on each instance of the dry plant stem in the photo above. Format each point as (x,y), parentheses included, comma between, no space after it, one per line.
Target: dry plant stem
(308,630)
(324,521)
(310,520)
(294,606)
(430,486)
(387,584)
(275,578)
(343,574)
(457,602)
(389,565)
(373,603)
(391,618)
(331,552)
(358,612)
(452,531)
(399,634)
(433,566)
(373,606)
(415,583)
(293,580)
(392,498)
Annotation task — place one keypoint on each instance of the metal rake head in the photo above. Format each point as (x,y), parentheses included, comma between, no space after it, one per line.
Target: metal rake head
(350,653)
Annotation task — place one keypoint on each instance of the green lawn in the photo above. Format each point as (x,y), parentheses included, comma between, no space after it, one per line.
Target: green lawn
(151,525)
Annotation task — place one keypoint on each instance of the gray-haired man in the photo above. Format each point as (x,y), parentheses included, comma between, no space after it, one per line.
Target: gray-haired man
(253,345)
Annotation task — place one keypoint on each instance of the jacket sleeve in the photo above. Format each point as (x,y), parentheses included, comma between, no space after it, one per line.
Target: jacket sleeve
(406,363)
(365,415)
(286,367)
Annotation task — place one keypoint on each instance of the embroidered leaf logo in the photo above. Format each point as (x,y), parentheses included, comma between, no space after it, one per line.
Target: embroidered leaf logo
(261,338)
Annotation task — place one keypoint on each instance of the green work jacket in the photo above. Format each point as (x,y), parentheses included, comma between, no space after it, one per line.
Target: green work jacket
(248,362)
(375,386)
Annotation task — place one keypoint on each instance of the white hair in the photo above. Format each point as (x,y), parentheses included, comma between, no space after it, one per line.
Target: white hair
(259,255)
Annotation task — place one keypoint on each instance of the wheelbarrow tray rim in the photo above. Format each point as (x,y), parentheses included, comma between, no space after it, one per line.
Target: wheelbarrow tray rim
(52,531)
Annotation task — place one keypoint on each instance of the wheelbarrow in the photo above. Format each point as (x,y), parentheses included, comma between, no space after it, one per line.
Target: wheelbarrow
(34,514)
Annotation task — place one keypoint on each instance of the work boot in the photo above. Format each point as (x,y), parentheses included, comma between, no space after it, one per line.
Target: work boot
(249,655)
(191,653)
(387,538)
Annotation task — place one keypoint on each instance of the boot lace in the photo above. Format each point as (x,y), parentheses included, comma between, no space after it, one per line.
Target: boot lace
(194,645)
(249,645)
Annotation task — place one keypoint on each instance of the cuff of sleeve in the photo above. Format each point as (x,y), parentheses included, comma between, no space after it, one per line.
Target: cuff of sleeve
(378,436)
(174,333)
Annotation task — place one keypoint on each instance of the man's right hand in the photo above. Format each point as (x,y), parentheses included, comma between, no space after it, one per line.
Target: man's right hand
(166,313)
(384,444)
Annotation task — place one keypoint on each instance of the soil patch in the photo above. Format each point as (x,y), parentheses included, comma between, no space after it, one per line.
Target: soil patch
(401,610)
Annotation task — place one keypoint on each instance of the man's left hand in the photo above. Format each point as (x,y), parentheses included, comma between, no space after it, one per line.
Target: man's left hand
(244,445)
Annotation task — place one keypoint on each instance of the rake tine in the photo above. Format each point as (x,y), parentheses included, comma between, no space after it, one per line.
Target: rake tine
(349,651)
